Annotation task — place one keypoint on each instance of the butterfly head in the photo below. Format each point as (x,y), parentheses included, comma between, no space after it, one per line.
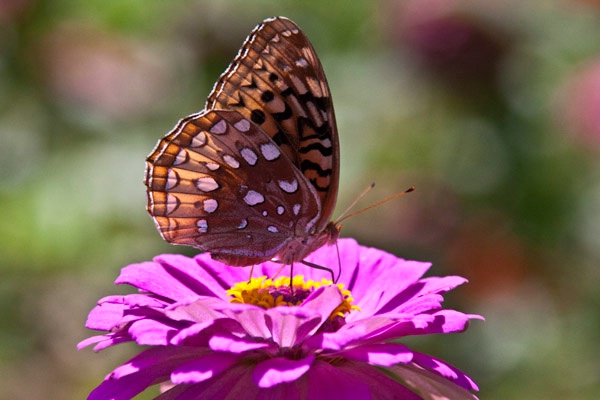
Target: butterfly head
(299,247)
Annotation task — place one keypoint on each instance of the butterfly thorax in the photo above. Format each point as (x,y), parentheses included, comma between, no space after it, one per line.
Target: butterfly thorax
(297,248)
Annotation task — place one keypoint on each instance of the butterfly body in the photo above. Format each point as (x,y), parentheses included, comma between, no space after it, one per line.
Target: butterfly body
(253,176)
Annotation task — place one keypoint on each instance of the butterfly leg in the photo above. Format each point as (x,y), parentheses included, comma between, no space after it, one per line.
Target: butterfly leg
(251,272)
(292,279)
(291,274)
(279,270)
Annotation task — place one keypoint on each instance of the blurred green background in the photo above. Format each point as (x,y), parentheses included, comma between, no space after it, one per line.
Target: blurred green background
(490,108)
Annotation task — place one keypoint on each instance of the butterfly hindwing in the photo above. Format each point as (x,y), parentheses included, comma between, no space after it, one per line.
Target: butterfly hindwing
(219,183)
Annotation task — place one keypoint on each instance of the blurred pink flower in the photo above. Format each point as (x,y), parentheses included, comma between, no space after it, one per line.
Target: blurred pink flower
(578,104)
(103,73)
(11,10)
(460,48)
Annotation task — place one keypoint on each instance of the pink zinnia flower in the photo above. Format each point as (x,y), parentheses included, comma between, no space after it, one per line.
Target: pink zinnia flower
(214,334)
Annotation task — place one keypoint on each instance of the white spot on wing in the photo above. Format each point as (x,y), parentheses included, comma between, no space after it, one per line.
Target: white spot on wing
(288,186)
(198,140)
(249,155)
(232,162)
(301,62)
(326,143)
(280,210)
(172,179)
(296,209)
(272,229)
(206,184)
(212,166)
(181,157)
(219,128)
(252,198)
(172,203)
(243,125)
(269,151)
(202,225)
(243,224)
(210,205)
(265,213)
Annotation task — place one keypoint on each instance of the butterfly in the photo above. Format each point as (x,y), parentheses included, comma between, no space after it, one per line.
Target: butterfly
(254,175)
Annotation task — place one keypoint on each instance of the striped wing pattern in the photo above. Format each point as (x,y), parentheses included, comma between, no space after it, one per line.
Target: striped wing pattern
(277,82)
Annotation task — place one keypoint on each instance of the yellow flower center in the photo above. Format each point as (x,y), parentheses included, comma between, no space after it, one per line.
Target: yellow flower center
(268,293)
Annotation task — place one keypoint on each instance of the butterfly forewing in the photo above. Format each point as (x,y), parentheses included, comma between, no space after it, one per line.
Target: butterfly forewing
(278,82)
(254,176)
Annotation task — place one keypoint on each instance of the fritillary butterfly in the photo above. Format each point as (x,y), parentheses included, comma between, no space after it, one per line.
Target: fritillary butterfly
(253,176)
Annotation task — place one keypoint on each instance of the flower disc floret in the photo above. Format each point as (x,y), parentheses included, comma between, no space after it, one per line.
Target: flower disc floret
(268,293)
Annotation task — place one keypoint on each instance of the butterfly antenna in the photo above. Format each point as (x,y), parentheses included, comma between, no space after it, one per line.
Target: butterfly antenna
(360,196)
(345,214)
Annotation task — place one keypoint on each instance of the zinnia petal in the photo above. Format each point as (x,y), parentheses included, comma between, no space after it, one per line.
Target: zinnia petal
(233,344)
(428,385)
(274,371)
(201,369)
(288,325)
(150,367)
(251,318)
(445,370)
(382,354)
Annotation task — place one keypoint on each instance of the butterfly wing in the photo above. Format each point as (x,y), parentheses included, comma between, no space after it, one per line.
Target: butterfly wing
(219,183)
(278,82)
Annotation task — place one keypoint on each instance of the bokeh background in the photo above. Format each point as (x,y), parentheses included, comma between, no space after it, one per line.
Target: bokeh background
(490,108)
